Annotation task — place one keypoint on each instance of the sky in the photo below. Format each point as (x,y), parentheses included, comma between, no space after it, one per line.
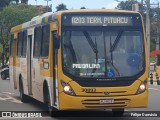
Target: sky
(77,4)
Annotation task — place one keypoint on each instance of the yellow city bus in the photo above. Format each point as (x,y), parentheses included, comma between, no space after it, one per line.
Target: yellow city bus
(81,59)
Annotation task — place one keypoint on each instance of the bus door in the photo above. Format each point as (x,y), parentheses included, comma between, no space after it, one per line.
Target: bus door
(14,64)
(55,66)
(13,61)
(29,64)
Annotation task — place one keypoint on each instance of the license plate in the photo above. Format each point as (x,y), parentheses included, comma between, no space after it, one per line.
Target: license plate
(106,101)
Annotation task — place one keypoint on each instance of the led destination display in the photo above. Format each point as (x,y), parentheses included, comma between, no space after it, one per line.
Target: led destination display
(101,20)
(105,20)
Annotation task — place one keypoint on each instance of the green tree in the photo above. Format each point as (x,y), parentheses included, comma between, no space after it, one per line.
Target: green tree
(126,5)
(61,7)
(24,1)
(4,3)
(154,18)
(83,7)
(17,1)
(11,16)
(155,25)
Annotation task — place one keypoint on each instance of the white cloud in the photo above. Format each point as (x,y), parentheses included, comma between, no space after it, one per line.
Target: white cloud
(111,5)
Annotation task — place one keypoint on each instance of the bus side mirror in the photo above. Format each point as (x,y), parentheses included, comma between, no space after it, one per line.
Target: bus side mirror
(56,40)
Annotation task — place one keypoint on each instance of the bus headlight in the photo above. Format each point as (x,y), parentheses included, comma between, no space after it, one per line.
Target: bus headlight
(142,87)
(67,88)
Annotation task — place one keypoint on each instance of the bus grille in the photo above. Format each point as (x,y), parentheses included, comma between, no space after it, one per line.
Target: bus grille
(95,103)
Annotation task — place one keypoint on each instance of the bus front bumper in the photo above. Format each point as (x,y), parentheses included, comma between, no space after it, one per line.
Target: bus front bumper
(67,102)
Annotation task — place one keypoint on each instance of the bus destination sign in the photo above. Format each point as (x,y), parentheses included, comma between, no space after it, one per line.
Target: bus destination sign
(97,21)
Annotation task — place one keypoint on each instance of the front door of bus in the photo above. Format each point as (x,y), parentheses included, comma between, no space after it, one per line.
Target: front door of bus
(14,63)
(29,65)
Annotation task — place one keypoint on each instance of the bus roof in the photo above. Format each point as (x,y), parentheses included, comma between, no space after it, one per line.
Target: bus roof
(96,10)
(50,16)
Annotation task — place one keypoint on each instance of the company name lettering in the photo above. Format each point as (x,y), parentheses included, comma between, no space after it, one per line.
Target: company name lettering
(86,66)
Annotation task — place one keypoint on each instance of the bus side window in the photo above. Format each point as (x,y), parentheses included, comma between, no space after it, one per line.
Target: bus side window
(24,43)
(45,40)
(19,44)
(11,45)
(37,42)
(56,40)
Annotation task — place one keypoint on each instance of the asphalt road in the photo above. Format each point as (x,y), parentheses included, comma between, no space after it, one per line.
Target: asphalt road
(10,101)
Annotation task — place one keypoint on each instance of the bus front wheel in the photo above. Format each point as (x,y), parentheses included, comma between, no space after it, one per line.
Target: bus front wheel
(51,110)
(118,112)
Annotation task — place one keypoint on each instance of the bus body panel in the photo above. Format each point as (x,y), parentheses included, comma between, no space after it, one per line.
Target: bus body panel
(78,103)
(23,73)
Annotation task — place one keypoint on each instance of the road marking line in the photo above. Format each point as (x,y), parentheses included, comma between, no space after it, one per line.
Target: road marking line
(154,89)
(9,98)
(13,99)
(8,93)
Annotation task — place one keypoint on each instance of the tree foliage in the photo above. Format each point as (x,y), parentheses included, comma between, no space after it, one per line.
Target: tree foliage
(24,1)
(154,18)
(83,7)
(126,5)
(14,1)
(4,3)
(11,16)
(61,7)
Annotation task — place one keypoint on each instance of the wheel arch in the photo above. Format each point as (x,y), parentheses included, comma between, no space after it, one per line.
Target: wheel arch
(46,87)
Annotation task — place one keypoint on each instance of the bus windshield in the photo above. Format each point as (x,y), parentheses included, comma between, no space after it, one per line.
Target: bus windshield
(102,54)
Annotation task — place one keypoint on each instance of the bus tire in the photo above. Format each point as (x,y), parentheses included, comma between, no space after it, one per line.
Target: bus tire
(23,97)
(158,82)
(51,110)
(118,112)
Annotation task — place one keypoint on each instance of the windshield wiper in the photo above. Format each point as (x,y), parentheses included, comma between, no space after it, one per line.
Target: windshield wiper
(93,46)
(116,41)
(111,62)
(90,41)
(96,51)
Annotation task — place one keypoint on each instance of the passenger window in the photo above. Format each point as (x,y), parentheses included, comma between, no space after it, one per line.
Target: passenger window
(37,42)
(24,44)
(19,44)
(45,41)
(12,45)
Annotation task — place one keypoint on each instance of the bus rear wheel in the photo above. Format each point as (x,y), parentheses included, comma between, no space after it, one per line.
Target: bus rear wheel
(23,97)
(118,112)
